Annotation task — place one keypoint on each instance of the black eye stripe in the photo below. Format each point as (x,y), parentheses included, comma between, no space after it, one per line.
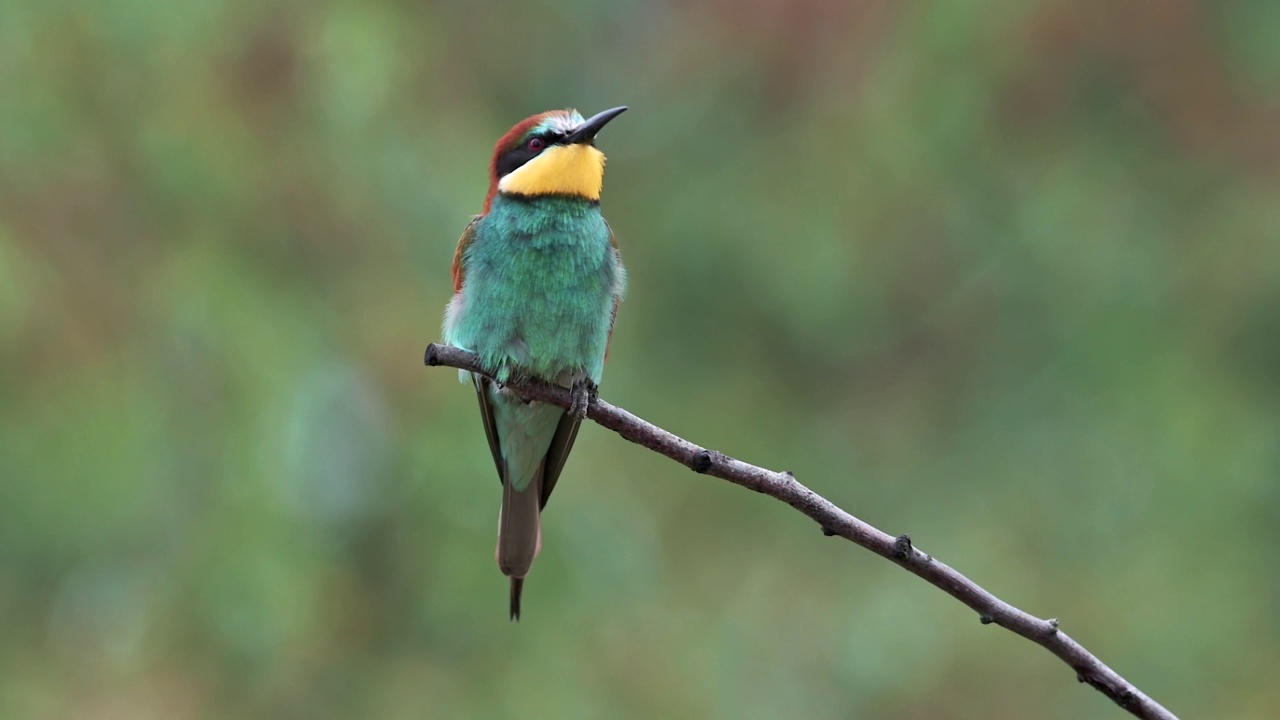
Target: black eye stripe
(512,159)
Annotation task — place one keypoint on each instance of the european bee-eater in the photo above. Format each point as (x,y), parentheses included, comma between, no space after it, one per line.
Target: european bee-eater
(537,279)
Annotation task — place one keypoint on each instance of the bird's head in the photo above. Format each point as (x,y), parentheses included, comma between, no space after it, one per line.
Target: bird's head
(552,153)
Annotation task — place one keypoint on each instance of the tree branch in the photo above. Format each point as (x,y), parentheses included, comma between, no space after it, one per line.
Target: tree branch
(834,521)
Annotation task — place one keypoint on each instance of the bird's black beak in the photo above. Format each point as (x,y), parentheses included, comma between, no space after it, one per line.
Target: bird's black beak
(586,132)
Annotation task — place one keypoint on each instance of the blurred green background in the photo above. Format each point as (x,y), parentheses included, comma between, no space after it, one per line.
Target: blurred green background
(1003,275)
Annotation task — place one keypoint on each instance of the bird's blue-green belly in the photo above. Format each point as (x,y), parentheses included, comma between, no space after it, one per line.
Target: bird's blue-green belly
(541,280)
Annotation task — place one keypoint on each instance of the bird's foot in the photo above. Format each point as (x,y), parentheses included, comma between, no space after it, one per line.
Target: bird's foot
(584,392)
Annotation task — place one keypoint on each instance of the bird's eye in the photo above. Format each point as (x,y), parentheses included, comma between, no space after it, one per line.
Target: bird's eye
(537,144)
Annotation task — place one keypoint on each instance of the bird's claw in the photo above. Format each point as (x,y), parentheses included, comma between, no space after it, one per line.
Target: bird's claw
(583,392)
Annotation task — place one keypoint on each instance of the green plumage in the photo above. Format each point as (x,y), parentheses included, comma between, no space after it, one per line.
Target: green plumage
(540,282)
(542,278)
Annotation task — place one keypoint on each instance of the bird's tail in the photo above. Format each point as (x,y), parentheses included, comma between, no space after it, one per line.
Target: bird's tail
(517,587)
(519,534)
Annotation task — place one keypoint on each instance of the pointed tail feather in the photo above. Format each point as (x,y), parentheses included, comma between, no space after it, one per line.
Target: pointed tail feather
(517,585)
(519,535)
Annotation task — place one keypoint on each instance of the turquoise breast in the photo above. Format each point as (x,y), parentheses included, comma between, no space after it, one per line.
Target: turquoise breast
(542,277)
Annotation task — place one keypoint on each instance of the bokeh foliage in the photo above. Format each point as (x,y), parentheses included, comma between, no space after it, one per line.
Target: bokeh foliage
(1005,275)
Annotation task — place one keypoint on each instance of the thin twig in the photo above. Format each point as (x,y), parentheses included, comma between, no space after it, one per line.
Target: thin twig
(834,521)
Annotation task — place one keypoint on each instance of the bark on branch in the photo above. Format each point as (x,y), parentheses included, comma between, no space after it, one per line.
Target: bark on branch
(836,522)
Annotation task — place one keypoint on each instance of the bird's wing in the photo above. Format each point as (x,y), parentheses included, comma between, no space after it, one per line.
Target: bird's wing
(482,383)
(486,416)
(567,430)
(613,316)
(558,453)
(460,255)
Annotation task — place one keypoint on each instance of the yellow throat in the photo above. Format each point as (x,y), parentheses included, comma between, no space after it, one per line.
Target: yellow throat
(560,170)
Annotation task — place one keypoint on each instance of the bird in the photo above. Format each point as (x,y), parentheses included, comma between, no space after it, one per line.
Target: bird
(537,280)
